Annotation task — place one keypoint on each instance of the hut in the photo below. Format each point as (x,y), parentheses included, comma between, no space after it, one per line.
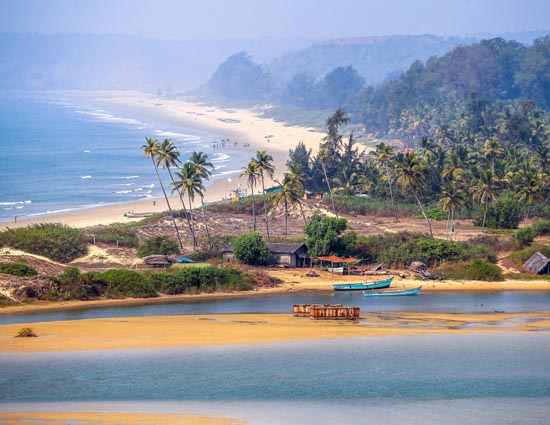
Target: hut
(280,254)
(538,263)
(157,261)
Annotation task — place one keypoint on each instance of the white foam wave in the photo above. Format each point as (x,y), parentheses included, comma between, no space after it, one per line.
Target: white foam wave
(86,151)
(123,184)
(220,157)
(16,203)
(127,177)
(120,192)
(174,135)
(85,177)
(101,115)
(225,173)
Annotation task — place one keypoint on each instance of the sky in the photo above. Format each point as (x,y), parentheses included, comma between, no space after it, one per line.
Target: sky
(222,19)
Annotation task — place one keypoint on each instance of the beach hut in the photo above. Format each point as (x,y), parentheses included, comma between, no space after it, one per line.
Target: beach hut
(281,254)
(538,263)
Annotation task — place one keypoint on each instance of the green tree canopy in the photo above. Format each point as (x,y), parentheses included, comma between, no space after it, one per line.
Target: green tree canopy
(250,248)
(323,235)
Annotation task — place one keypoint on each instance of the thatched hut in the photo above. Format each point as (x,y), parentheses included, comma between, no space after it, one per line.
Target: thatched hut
(157,261)
(538,263)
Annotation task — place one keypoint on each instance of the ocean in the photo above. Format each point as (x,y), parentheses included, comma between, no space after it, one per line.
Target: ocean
(429,379)
(60,152)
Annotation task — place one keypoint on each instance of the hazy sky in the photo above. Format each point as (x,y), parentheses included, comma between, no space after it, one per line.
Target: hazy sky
(222,19)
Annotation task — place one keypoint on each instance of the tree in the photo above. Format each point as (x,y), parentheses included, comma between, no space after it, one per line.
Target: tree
(250,248)
(485,190)
(203,167)
(251,174)
(410,170)
(492,149)
(264,164)
(452,198)
(157,245)
(290,193)
(384,157)
(323,235)
(168,156)
(151,150)
(323,156)
(189,182)
(298,178)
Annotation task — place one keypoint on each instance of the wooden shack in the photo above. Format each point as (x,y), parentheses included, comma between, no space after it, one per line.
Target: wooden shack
(538,263)
(327,311)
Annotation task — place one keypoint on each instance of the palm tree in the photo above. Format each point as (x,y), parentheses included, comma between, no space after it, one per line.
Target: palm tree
(284,196)
(529,185)
(384,156)
(151,150)
(203,168)
(452,197)
(299,183)
(264,164)
(323,155)
(168,156)
(492,149)
(350,182)
(251,173)
(454,168)
(485,190)
(410,170)
(189,182)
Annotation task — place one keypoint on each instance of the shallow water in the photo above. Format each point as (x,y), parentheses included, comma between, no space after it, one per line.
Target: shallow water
(428,301)
(424,379)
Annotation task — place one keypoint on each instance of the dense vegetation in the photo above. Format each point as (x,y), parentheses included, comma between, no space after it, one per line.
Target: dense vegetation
(250,248)
(18,269)
(55,241)
(159,245)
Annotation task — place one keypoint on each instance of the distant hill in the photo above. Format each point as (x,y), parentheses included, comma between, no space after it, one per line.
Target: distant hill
(375,58)
(77,61)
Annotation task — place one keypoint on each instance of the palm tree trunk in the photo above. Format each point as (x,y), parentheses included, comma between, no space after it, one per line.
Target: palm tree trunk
(484,216)
(448,226)
(286,217)
(253,208)
(423,213)
(265,209)
(191,216)
(391,193)
(329,190)
(185,211)
(302,212)
(168,204)
(205,224)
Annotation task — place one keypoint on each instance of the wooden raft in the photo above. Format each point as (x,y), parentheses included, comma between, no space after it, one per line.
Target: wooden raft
(326,311)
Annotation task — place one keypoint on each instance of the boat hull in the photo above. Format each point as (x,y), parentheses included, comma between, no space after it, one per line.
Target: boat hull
(398,292)
(363,286)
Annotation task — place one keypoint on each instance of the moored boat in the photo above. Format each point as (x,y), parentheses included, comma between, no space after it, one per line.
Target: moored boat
(412,291)
(363,286)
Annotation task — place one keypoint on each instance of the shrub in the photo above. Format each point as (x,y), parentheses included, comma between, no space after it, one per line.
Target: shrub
(477,269)
(160,245)
(504,213)
(17,269)
(126,283)
(526,235)
(123,234)
(323,235)
(434,214)
(250,248)
(55,241)
(26,333)
(520,257)
(542,227)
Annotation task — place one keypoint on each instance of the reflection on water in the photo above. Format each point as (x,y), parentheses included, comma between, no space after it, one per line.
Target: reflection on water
(428,301)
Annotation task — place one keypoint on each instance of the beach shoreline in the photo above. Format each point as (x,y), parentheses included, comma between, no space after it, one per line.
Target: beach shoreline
(246,129)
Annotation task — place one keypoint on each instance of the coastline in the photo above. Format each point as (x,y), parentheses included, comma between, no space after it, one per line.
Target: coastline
(244,126)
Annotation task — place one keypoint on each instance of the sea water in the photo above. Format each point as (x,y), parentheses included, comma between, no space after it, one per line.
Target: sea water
(60,152)
(459,379)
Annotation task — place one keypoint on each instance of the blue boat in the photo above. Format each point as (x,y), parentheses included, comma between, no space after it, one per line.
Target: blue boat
(363,286)
(412,291)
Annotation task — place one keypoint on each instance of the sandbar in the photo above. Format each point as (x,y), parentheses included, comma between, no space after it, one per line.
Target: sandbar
(227,329)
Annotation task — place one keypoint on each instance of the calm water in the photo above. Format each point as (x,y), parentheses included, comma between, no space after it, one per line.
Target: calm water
(490,379)
(437,302)
(61,153)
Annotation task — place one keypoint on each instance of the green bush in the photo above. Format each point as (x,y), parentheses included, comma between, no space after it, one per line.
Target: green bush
(477,269)
(123,234)
(25,333)
(542,227)
(55,241)
(17,269)
(526,235)
(434,214)
(199,278)
(125,283)
(520,257)
(250,248)
(504,213)
(159,245)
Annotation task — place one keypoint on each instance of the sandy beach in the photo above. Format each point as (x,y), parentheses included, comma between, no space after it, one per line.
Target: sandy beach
(245,127)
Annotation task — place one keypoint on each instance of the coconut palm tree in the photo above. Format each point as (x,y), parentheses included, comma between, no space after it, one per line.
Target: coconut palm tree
(168,156)
(485,190)
(264,164)
(284,196)
(492,149)
(298,178)
(203,168)
(529,185)
(454,168)
(251,174)
(151,150)
(187,181)
(384,157)
(410,170)
(323,156)
(452,198)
